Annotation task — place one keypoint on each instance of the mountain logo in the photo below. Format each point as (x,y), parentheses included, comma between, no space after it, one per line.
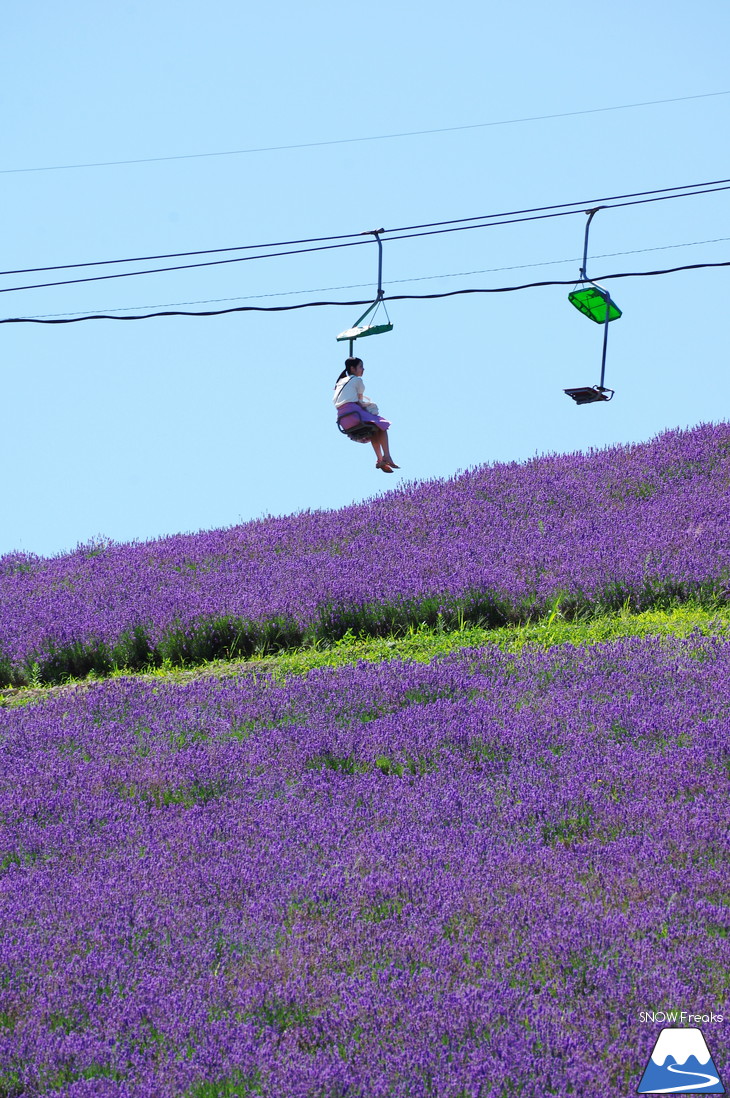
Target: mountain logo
(680,1063)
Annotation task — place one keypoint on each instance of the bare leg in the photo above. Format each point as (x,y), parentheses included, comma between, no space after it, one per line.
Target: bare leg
(377,445)
(386,450)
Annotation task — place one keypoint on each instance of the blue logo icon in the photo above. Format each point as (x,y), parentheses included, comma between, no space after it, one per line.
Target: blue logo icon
(680,1063)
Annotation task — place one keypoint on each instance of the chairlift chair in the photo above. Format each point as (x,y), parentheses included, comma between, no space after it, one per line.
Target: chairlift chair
(355,427)
(596,303)
(352,423)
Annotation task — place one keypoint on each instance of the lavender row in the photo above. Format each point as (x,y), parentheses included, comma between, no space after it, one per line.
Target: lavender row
(640,523)
(458,879)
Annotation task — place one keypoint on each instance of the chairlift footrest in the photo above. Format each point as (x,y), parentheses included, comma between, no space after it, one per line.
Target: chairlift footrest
(589,394)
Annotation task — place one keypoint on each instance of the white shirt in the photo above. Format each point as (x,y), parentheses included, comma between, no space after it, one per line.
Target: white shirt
(350,390)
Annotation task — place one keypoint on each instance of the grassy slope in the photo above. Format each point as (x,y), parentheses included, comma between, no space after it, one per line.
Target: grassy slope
(426,643)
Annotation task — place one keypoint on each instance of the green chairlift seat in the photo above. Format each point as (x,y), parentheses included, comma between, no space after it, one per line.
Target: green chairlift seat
(592,302)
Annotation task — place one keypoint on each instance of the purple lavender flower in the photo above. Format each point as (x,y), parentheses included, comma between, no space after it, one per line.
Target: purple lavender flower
(458,878)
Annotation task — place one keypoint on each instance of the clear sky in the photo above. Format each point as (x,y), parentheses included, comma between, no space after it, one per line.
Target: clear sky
(135,430)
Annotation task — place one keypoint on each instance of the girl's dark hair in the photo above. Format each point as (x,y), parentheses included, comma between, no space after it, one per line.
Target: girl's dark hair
(350,364)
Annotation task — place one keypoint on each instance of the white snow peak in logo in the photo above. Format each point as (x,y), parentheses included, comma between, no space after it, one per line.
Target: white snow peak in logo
(680,1063)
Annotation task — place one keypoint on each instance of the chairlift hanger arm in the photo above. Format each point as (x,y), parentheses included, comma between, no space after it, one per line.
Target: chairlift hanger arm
(591,215)
(376,233)
(591,299)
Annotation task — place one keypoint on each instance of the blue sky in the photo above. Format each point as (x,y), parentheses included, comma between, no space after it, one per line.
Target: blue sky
(135,430)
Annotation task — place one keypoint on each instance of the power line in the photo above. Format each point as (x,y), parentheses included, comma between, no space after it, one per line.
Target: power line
(353,140)
(343,304)
(452,227)
(400,281)
(387,233)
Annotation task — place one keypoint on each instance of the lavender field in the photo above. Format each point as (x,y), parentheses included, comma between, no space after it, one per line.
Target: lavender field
(636,525)
(456,879)
(463,878)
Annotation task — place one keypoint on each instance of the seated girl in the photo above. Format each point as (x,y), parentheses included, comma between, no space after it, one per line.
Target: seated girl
(350,397)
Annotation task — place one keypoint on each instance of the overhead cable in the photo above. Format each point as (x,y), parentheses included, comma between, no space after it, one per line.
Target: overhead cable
(346,304)
(454,228)
(179,255)
(372,137)
(691,188)
(355,243)
(180,267)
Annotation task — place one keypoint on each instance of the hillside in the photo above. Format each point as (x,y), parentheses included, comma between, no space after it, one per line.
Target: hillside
(411,861)
(636,525)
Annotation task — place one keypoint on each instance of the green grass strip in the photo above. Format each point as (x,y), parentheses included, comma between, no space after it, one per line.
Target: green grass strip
(425,643)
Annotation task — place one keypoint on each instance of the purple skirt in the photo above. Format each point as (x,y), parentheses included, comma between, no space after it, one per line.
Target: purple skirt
(352,410)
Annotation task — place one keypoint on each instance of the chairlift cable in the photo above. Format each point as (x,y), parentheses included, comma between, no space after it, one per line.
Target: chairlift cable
(662,192)
(179,255)
(560,213)
(181,267)
(560,205)
(330,247)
